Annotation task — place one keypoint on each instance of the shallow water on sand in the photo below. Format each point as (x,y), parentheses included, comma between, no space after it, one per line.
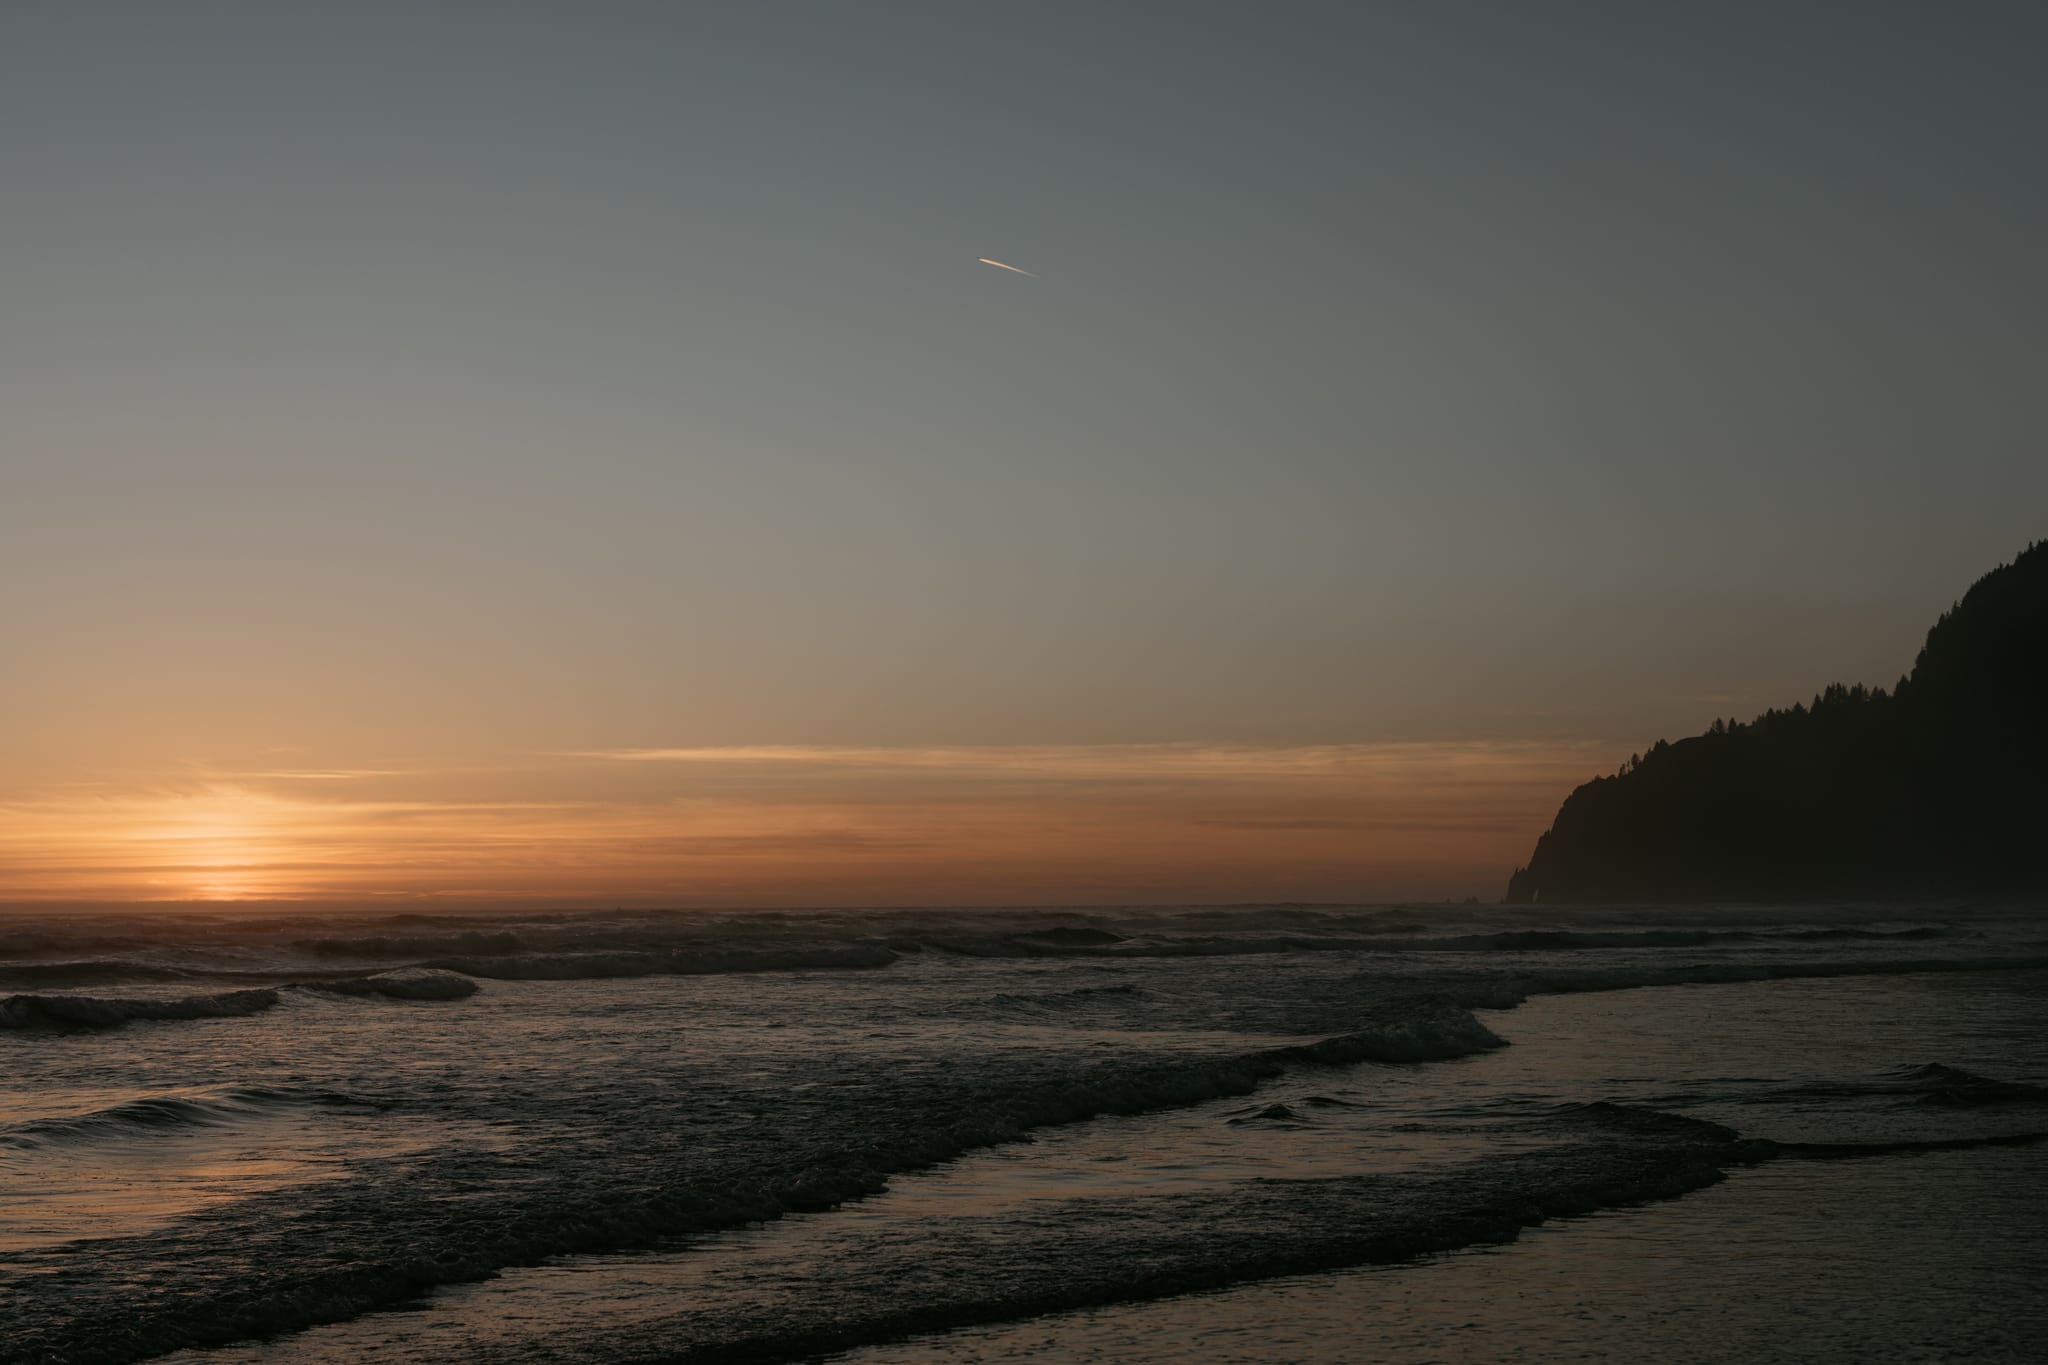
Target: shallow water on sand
(1933,1257)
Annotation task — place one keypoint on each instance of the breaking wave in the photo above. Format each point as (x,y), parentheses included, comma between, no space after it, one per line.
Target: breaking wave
(92,1011)
(1042,945)
(1506,989)
(415,945)
(1395,1031)
(23,942)
(71,1012)
(163,1113)
(675,962)
(402,983)
(1280,1114)
(1838,1151)
(1931,1084)
(1611,1157)
(1959,1089)
(1562,940)
(93,971)
(1087,942)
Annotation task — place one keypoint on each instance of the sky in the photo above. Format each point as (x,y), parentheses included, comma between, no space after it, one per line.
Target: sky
(575,453)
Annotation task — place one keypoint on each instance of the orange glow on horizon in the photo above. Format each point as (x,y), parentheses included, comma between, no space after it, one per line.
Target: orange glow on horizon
(812,825)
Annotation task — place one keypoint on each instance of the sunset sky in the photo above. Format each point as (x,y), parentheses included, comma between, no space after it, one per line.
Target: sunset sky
(567,453)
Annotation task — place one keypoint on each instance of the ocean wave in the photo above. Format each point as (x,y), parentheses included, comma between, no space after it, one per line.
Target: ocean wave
(92,1011)
(1507,988)
(1841,1151)
(1399,1031)
(27,942)
(402,983)
(1642,1121)
(1033,945)
(1066,941)
(1960,1089)
(415,945)
(1618,1156)
(1418,1029)
(487,1239)
(1046,1004)
(1565,940)
(1934,1083)
(83,952)
(618,950)
(84,971)
(675,962)
(163,1113)
(1177,1245)
(1278,1115)
(1070,936)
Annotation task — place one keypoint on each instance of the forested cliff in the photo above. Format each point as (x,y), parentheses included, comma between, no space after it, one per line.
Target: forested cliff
(1937,788)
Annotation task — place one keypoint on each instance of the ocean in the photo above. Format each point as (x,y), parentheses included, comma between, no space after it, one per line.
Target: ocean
(1258,1133)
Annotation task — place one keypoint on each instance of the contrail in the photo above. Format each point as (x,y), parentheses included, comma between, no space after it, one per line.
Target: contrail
(1000,266)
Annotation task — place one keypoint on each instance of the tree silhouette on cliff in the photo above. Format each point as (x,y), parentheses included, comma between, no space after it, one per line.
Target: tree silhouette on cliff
(1936,788)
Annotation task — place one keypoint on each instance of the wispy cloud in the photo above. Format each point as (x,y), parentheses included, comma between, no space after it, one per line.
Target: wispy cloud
(313,774)
(1109,761)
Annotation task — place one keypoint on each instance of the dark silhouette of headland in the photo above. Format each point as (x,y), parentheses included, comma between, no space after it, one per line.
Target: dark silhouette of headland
(1938,788)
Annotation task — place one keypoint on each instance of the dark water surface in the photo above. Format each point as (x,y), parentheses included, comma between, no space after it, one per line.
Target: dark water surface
(556,1137)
